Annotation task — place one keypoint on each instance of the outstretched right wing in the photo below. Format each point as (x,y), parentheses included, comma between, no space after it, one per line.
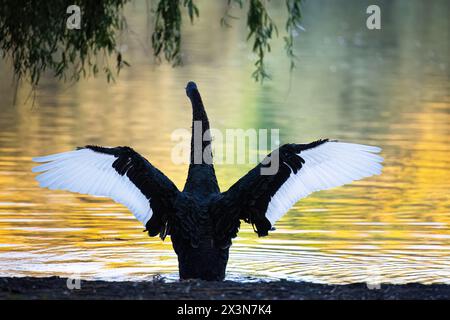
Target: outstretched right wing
(303,168)
(118,173)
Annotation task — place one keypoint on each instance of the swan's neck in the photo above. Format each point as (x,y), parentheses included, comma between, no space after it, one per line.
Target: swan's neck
(201,179)
(201,138)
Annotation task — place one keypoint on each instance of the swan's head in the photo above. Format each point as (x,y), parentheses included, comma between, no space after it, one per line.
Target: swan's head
(190,88)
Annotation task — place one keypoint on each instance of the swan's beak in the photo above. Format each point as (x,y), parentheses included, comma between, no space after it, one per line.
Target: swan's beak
(191,86)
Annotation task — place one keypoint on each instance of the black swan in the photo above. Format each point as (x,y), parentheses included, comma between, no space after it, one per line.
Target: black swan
(201,220)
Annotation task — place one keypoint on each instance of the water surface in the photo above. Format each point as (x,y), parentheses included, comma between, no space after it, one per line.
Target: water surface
(388,88)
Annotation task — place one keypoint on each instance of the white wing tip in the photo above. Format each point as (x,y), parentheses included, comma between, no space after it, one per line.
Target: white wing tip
(37,169)
(357,146)
(55,156)
(40,159)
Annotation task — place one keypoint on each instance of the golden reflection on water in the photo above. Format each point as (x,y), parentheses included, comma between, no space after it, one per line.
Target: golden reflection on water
(388,88)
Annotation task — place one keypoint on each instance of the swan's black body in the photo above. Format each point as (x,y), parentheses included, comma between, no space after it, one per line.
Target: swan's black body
(201,220)
(191,224)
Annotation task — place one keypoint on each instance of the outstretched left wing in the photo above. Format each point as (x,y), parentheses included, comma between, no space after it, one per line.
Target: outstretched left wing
(118,173)
(303,168)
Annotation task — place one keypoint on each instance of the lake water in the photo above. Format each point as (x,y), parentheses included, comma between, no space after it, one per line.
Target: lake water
(387,87)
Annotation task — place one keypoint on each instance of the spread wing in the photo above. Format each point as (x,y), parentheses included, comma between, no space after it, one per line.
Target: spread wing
(118,173)
(303,168)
